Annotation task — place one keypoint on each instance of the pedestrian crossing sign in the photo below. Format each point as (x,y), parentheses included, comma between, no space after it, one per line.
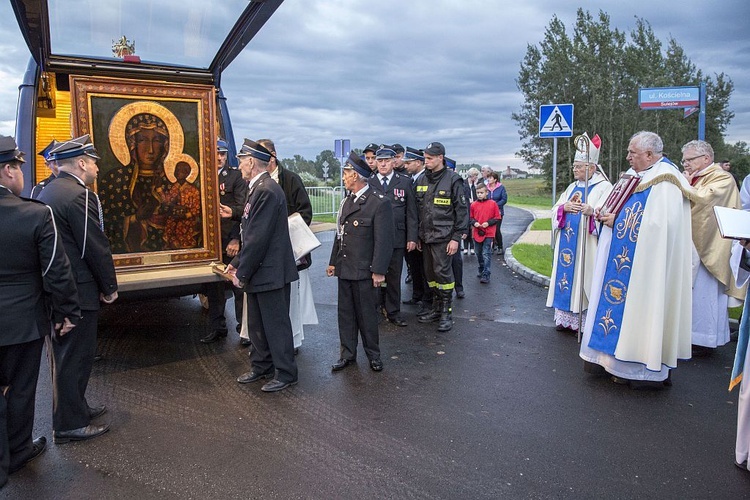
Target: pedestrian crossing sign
(555,120)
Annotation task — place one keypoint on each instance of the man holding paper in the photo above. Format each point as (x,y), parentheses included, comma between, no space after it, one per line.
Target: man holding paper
(713,286)
(639,316)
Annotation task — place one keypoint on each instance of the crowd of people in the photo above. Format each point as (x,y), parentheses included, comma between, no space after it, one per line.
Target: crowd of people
(641,270)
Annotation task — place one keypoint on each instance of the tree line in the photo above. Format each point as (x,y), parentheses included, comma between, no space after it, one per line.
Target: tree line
(599,69)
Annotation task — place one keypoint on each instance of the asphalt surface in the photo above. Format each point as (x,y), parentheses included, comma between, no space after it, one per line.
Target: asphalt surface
(499,407)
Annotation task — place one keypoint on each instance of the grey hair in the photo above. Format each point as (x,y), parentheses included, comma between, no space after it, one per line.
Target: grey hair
(648,141)
(472,172)
(700,147)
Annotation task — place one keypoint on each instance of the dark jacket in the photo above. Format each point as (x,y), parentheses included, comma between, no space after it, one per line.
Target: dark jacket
(76,210)
(266,261)
(232,193)
(39,187)
(33,265)
(499,196)
(443,209)
(404,205)
(297,200)
(366,243)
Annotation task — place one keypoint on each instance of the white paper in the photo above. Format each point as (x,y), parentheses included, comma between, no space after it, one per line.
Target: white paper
(733,224)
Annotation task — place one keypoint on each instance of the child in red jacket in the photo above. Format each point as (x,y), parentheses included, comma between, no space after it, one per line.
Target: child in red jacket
(483,217)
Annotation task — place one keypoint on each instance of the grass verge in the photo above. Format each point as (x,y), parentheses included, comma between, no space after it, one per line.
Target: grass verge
(535,257)
(541,225)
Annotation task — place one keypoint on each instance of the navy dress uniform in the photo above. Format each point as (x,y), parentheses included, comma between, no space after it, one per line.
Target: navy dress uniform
(46,153)
(398,190)
(78,217)
(363,247)
(232,193)
(443,217)
(265,268)
(37,287)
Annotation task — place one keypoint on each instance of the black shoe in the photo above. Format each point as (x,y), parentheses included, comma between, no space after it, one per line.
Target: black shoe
(276,385)
(408,279)
(484,279)
(98,357)
(460,294)
(214,336)
(245,342)
(742,465)
(500,251)
(411,302)
(699,351)
(376,365)
(341,364)
(397,321)
(37,448)
(82,434)
(296,351)
(253,376)
(97,411)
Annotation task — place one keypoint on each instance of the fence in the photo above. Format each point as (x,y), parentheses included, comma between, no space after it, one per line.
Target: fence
(325,200)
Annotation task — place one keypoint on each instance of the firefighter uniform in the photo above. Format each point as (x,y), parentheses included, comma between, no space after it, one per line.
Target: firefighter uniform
(443,216)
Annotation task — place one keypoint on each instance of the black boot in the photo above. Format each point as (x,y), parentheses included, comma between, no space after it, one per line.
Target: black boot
(432,314)
(446,318)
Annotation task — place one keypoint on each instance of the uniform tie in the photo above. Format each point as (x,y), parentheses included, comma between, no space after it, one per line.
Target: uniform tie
(385,184)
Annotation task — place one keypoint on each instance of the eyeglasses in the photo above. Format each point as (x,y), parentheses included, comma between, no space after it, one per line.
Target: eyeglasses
(688,160)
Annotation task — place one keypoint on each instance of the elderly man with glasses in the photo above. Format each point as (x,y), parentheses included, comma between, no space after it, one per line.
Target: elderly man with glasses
(713,286)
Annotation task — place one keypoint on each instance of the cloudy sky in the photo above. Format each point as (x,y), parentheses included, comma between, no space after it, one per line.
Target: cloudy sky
(419,70)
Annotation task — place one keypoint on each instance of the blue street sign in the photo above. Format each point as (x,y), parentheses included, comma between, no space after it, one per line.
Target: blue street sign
(555,120)
(668,97)
(342,147)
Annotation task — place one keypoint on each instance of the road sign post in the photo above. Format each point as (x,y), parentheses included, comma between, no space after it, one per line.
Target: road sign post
(677,97)
(341,148)
(555,120)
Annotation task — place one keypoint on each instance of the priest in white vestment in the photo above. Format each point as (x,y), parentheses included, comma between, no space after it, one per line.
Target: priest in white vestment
(574,228)
(714,288)
(639,316)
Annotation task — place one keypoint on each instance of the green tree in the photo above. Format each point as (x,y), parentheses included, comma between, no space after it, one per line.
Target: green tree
(600,69)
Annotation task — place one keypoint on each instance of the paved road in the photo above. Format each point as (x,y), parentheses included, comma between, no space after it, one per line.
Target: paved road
(497,408)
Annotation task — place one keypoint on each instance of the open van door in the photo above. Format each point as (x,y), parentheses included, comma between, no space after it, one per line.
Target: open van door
(119,69)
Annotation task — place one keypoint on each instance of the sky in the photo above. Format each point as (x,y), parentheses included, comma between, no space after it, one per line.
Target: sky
(418,71)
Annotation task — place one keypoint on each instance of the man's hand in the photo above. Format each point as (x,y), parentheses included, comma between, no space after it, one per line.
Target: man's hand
(571,207)
(378,279)
(411,245)
(452,247)
(608,219)
(64,327)
(587,209)
(225,212)
(233,247)
(330,270)
(230,269)
(108,299)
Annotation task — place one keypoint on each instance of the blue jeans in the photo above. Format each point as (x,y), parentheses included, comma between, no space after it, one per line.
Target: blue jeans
(484,256)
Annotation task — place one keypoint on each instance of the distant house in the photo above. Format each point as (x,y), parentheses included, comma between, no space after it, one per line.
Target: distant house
(514,173)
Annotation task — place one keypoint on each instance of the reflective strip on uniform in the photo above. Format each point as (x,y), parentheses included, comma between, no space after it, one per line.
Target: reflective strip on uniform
(442,201)
(445,286)
(422,189)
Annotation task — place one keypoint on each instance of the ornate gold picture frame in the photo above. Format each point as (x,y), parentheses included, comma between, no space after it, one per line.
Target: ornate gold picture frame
(157,182)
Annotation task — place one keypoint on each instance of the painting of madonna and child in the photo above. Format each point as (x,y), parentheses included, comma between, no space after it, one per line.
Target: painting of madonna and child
(153,183)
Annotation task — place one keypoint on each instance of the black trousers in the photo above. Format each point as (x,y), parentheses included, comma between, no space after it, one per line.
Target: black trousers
(19,372)
(357,316)
(438,266)
(270,331)
(393,281)
(217,301)
(416,264)
(499,235)
(71,358)
(457,263)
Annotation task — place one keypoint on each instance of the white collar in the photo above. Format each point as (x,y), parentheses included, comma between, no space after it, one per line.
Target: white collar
(361,192)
